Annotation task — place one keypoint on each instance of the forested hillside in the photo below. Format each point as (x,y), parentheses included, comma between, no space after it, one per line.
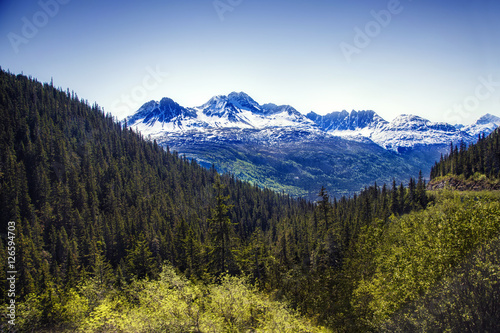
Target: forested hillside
(115,234)
(93,200)
(474,167)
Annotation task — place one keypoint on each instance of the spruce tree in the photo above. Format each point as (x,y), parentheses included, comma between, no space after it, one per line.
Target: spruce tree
(221,231)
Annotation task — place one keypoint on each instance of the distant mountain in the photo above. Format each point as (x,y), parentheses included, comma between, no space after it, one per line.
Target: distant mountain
(278,147)
(409,131)
(240,111)
(403,133)
(484,125)
(161,113)
(347,121)
(235,111)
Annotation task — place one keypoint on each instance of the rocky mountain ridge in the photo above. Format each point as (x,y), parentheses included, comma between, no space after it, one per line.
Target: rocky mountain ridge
(277,147)
(239,117)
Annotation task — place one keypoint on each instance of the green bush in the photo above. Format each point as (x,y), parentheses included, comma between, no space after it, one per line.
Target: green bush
(417,250)
(467,300)
(170,304)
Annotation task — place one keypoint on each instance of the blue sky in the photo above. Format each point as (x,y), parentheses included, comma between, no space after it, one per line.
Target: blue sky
(436,59)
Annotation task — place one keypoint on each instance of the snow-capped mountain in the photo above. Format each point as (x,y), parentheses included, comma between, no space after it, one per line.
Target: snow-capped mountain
(153,114)
(409,131)
(484,125)
(278,147)
(236,111)
(404,132)
(238,117)
(347,121)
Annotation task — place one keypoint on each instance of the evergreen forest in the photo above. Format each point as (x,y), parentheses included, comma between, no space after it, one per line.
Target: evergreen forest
(476,166)
(113,233)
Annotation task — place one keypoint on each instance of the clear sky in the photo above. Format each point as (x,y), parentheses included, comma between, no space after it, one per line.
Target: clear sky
(436,59)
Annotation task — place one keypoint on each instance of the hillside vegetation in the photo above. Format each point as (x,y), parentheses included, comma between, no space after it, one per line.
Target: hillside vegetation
(115,234)
(477,164)
(300,168)
(415,253)
(170,303)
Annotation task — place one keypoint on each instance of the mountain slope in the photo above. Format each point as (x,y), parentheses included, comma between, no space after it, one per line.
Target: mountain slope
(95,207)
(278,147)
(300,168)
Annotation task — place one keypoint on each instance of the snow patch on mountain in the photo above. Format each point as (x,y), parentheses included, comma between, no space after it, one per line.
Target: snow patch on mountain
(237,117)
(409,131)
(484,125)
(347,121)
(237,110)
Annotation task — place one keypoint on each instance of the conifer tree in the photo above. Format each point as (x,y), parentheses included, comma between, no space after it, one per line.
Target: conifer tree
(394,198)
(221,231)
(324,208)
(140,261)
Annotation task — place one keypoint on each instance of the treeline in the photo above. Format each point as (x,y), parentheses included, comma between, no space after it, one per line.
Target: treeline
(482,157)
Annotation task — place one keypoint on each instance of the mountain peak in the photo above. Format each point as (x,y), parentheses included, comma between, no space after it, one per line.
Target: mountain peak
(243,101)
(346,121)
(409,122)
(220,106)
(216,99)
(163,111)
(239,96)
(488,119)
(409,117)
(484,125)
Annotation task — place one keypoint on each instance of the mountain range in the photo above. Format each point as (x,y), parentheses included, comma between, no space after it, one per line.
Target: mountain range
(278,147)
